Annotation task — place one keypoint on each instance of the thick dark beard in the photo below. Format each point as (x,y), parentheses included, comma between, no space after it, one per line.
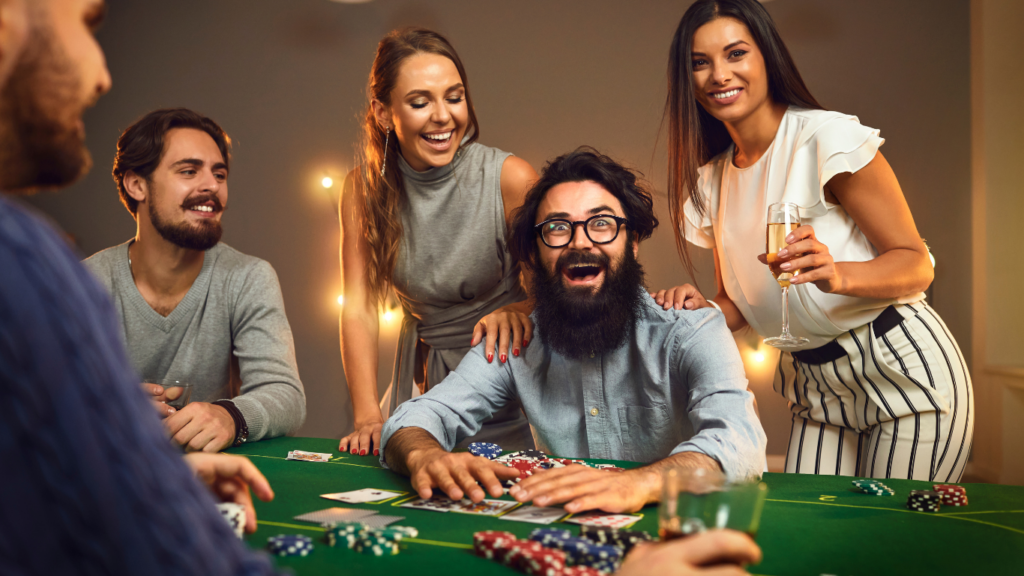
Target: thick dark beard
(199,237)
(41,145)
(577,323)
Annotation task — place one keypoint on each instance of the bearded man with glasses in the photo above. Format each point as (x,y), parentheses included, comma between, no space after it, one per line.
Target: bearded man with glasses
(615,377)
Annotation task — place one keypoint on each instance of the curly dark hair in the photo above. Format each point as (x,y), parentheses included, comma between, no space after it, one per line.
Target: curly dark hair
(581,165)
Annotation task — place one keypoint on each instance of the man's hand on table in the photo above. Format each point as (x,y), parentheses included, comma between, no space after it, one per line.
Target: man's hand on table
(457,474)
(582,488)
(718,552)
(201,426)
(229,478)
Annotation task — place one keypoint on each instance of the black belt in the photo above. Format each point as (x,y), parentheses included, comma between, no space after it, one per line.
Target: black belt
(887,320)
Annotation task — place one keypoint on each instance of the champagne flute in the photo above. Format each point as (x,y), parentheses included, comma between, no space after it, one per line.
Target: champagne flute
(783,218)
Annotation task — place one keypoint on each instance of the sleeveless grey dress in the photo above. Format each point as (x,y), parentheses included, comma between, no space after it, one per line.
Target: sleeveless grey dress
(452,270)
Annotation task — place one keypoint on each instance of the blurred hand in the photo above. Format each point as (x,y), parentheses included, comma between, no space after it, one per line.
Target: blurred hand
(365,439)
(458,474)
(718,553)
(229,478)
(201,426)
(505,326)
(160,396)
(686,296)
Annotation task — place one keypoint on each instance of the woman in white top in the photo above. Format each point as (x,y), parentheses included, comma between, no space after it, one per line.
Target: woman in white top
(881,389)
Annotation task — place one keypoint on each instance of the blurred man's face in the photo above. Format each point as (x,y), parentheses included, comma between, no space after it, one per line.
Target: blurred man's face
(56,72)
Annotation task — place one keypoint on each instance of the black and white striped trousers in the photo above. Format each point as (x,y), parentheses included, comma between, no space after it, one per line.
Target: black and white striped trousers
(898,405)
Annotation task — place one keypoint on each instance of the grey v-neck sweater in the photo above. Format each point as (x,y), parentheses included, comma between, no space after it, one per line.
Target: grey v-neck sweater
(233,308)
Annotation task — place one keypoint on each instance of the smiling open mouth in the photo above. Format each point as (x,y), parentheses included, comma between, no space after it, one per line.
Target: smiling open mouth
(582,272)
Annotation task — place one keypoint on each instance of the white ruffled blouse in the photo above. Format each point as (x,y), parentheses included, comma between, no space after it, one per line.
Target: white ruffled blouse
(810,148)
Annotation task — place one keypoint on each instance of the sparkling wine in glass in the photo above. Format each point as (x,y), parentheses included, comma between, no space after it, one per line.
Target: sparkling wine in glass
(783,218)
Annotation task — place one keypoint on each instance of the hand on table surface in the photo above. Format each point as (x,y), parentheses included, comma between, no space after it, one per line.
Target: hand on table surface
(160,397)
(230,478)
(365,439)
(811,258)
(457,474)
(714,553)
(201,426)
(686,296)
(505,326)
(583,488)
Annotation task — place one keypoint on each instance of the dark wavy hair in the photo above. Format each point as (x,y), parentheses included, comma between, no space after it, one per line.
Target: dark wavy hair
(581,165)
(141,146)
(695,136)
(381,194)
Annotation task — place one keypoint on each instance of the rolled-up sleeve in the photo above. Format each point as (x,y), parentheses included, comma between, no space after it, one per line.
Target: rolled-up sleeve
(456,408)
(719,406)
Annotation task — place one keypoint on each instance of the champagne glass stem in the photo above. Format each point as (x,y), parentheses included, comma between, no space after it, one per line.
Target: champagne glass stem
(785,313)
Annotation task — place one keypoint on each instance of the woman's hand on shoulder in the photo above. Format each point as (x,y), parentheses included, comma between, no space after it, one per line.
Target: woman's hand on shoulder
(805,253)
(686,296)
(504,327)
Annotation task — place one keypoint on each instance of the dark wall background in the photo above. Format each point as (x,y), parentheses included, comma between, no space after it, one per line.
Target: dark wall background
(286,79)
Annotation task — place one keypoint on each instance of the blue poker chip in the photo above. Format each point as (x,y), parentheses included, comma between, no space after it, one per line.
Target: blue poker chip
(290,545)
(485,449)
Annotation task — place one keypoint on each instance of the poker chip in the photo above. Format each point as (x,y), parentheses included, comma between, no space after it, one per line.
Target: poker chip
(485,449)
(924,501)
(547,536)
(492,543)
(873,487)
(290,545)
(363,539)
(951,494)
(534,454)
(376,547)
(625,539)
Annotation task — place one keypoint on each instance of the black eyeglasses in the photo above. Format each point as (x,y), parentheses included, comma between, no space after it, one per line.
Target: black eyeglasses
(600,229)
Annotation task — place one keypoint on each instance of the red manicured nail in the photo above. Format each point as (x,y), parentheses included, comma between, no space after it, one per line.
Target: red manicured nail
(353,451)
(526,342)
(515,352)
(376,452)
(490,357)
(503,358)
(362,452)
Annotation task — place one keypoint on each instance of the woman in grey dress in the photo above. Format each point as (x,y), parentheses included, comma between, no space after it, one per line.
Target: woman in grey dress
(425,214)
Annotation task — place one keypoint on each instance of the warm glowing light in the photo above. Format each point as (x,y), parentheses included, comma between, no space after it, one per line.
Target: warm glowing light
(388,315)
(759,357)
(327,182)
(341,300)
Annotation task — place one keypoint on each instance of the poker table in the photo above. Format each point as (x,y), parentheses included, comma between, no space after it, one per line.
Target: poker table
(811,525)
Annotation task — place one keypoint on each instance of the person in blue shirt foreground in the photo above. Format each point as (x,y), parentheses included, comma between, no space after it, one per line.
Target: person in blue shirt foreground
(615,377)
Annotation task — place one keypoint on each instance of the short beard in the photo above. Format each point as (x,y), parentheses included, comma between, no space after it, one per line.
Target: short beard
(191,237)
(41,145)
(577,323)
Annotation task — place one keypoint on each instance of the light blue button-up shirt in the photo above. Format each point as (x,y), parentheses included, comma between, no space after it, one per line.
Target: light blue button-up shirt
(677,385)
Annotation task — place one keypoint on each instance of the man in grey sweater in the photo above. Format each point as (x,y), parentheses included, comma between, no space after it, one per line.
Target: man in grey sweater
(192,309)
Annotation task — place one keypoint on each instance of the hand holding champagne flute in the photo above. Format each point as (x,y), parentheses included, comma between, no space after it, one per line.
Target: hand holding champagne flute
(783,218)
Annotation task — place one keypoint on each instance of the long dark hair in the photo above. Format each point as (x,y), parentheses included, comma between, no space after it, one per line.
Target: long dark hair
(695,136)
(382,195)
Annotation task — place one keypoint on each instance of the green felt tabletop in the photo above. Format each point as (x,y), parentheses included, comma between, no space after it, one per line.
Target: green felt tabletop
(811,525)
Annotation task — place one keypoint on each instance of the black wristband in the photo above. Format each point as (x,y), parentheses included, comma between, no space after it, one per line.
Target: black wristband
(241,429)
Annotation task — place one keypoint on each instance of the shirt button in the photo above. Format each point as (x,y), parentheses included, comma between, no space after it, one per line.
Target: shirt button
(593,411)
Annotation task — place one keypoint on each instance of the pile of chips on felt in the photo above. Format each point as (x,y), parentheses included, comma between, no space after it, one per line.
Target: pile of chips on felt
(625,539)
(548,552)
(924,501)
(290,545)
(873,487)
(365,540)
(951,494)
(527,462)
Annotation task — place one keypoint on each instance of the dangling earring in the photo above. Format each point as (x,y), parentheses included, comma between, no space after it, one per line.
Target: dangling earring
(384,164)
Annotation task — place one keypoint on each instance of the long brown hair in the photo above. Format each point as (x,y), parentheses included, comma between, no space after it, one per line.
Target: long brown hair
(695,136)
(382,196)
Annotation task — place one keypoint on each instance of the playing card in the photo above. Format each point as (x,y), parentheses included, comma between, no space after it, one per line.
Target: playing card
(364,495)
(535,514)
(234,514)
(484,507)
(436,503)
(335,515)
(308,456)
(379,520)
(604,519)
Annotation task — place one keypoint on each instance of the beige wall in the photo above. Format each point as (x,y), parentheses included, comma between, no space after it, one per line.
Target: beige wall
(997,234)
(286,80)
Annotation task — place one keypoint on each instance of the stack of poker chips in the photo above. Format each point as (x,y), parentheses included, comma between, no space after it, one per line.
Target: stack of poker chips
(625,539)
(485,449)
(549,552)
(924,501)
(361,538)
(290,545)
(951,494)
(873,487)
(527,462)
(580,551)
